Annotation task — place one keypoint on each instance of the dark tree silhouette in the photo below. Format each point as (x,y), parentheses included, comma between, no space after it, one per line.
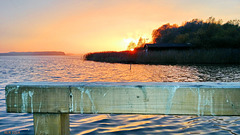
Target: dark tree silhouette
(211,33)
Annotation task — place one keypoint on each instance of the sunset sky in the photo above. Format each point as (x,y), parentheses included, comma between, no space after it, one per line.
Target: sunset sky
(81,26)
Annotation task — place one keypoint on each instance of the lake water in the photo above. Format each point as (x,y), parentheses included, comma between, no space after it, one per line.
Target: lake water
(75,69)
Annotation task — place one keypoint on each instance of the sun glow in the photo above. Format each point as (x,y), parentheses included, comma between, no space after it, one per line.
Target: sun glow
(129,40)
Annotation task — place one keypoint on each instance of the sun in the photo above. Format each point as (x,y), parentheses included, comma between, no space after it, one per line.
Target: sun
(129,40)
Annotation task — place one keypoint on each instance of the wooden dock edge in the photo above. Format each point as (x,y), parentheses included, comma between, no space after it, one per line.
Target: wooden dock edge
(52,102)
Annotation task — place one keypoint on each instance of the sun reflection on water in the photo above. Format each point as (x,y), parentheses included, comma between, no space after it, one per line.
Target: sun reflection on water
(75,69)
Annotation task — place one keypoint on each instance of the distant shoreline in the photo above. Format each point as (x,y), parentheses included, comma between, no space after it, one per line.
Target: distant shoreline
(191,56)
(32,53)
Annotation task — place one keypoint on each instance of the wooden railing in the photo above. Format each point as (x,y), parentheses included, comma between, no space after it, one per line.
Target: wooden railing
(52,102)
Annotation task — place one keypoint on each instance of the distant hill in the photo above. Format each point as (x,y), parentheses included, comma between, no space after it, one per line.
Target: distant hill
(32,53)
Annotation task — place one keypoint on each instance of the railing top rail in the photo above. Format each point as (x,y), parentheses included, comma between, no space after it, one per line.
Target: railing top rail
(183,98)
(132,84)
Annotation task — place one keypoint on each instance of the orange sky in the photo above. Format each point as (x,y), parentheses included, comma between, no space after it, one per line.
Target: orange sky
(75,26)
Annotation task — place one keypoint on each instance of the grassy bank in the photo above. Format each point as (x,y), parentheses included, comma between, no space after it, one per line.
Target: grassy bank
(193,56)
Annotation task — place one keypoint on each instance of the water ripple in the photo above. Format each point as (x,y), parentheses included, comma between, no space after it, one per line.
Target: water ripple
(74,69)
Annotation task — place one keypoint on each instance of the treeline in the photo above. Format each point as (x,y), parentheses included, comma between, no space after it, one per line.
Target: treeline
(216,43)
(211,33)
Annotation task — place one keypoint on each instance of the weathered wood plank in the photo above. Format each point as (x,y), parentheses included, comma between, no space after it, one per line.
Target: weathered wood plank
(124,98)
(51,124)
(31,99)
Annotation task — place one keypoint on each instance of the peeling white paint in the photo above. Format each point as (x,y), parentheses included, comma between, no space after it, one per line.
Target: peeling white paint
(211,101)
(15,98)
(31,94)
(205,101)
(81,102)
(171,94)
(105,94)
(91,99)
(88,92)
(8,91)
(199,101)
(193,90)
(75,105)
(24,101)
(40,106)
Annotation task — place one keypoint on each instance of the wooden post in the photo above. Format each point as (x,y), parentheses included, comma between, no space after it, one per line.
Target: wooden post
(51,103)
(51,124)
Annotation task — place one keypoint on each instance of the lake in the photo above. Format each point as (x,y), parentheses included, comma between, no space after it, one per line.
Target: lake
(75,69)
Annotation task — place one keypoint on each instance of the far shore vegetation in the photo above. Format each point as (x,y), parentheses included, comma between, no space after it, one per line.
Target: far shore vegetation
(213,42)
(32,53)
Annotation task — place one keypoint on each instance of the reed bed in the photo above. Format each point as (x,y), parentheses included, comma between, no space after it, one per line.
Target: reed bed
(192,56)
